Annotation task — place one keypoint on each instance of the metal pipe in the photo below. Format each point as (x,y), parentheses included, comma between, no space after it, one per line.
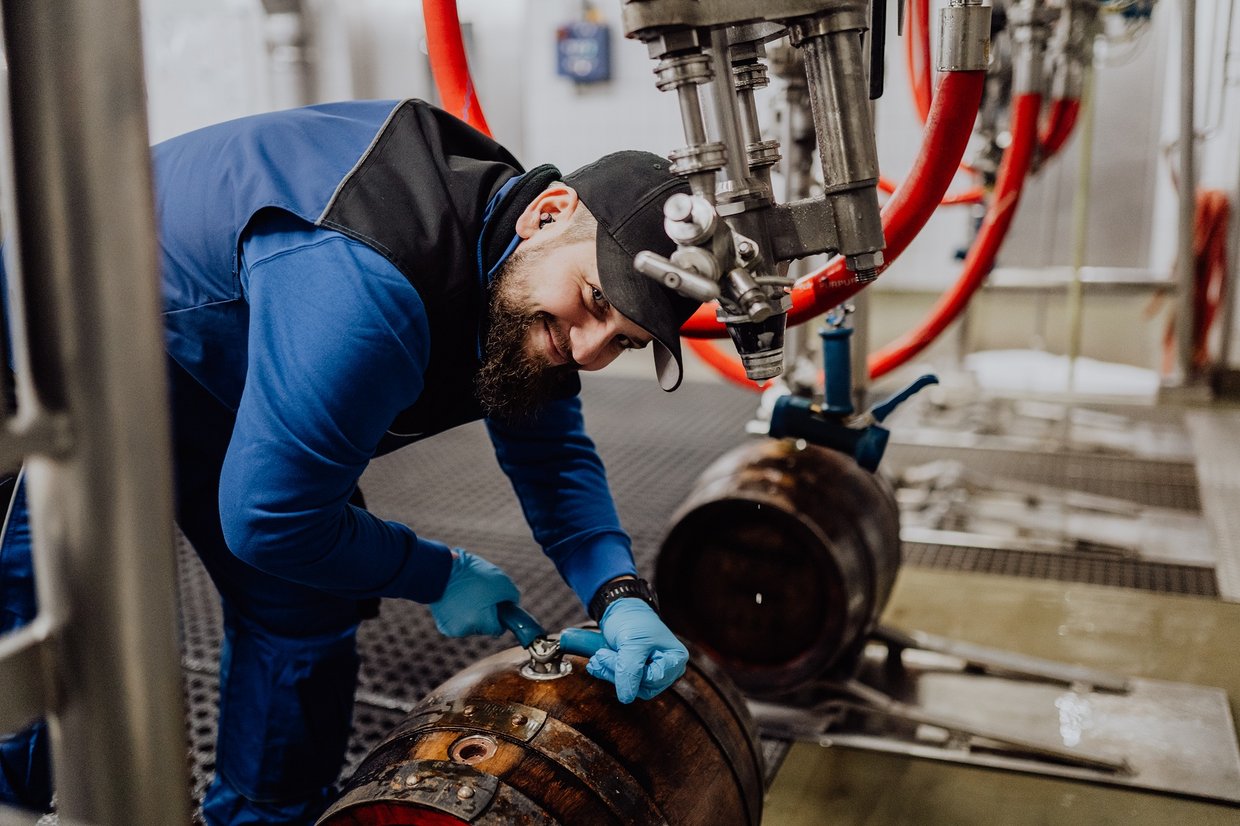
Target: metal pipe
(1230,294)
(839,96)
(1080,225)
(101,513)
(727,118)
(1185,315)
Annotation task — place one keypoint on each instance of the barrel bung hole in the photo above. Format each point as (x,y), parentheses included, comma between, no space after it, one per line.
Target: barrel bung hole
(472,749)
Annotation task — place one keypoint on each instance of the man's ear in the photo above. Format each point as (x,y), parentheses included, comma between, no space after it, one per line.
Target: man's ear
(557,202)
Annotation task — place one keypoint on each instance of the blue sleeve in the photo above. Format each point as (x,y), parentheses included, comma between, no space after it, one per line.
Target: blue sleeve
(560,481)
(338,345)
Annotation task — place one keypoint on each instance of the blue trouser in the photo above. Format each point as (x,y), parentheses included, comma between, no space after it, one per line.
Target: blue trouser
(288,666)
(25,775)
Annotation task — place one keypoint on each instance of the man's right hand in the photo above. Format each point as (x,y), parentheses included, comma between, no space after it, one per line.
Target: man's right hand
(468,605)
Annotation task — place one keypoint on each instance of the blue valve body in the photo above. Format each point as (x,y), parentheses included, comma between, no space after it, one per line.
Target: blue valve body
(837,370)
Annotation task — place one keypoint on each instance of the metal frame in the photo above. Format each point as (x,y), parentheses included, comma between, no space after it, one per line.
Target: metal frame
(100,661)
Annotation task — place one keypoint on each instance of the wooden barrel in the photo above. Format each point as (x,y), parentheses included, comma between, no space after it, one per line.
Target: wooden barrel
(779,562)
(492,746)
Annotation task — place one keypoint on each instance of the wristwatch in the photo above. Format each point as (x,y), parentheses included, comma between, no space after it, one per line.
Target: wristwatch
(619,589)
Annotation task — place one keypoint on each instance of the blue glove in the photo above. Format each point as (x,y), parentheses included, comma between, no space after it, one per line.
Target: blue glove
(474,588)
(642,656)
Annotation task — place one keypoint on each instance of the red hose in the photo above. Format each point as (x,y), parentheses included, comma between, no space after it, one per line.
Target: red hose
(1060,121)
(449,66)
(917,55)
(981,256)
(972,195)
(947,134)
(1213,218)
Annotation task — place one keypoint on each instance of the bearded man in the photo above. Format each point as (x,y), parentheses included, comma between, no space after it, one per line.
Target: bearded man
(340,281)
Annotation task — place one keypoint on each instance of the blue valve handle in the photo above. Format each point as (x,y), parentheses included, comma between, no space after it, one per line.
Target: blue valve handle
(884,409)
(581,641)
(517,620)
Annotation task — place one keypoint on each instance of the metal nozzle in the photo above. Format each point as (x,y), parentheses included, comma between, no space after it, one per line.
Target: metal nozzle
(760,344)
(683,281)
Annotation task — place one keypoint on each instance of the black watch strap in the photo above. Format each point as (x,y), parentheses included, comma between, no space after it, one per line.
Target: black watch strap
(619,589)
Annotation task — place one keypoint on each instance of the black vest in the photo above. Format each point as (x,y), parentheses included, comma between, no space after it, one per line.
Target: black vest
(418,197)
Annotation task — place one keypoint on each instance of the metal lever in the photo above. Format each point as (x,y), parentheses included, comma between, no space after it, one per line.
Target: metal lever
(882,410)
(546,652)
(878,47)
(685,282)
(832,424)
(517,620)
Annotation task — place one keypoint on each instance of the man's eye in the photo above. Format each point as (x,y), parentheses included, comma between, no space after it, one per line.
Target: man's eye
(597,295)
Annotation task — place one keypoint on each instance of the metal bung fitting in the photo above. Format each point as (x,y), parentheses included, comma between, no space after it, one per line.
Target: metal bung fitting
(674,72)
(865,266)
(750,76)
(688,219)
(964,37)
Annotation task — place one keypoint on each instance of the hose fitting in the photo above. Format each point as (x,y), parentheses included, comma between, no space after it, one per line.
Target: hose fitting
(964,37)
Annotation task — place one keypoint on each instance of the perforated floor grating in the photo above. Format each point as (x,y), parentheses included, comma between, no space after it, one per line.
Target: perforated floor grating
(1124,573)
(1149,482)
(654,445)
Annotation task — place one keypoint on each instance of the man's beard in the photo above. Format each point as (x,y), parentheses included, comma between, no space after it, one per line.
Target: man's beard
(514,384)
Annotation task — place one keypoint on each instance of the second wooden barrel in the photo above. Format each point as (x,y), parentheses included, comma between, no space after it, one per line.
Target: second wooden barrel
(492,746)
(779,562)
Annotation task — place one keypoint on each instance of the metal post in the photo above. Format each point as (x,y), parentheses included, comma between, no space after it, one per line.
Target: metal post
(1080,225)
(100,498)
(1185,321)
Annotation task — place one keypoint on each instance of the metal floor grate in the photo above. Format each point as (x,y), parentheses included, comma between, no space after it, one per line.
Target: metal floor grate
(654,445)
(1094,570)
(1149,482)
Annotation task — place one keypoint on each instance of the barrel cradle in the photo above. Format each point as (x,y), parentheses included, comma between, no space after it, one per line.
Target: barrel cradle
(491,746)
(779,563)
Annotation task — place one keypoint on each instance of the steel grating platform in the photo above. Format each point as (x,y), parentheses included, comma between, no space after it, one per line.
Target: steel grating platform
(654,445)
(1156,483)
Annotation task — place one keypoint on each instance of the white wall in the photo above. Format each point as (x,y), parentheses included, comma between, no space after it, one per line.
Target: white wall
(569,124)
(205,62)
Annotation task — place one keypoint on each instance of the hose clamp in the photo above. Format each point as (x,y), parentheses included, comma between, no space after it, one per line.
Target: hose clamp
(964,37)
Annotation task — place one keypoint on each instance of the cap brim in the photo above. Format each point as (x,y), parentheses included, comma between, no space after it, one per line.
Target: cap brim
(643,301)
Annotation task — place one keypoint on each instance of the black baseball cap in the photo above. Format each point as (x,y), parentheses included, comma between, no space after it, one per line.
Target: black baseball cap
(625,192)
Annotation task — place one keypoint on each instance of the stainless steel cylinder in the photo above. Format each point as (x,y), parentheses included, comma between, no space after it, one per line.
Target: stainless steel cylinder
(1030,24)
(727,115)
(1185,257)
(964,37)
(1070,49)
(839,99)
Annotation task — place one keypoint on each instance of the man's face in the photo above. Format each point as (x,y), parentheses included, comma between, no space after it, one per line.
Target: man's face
(549,318)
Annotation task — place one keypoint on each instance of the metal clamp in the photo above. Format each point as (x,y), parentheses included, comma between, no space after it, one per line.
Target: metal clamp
(964,37)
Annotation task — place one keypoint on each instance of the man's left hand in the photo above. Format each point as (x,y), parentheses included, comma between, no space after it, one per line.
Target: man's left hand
(642,656)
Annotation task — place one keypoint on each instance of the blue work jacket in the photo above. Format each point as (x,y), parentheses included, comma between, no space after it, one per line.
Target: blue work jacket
(324,276)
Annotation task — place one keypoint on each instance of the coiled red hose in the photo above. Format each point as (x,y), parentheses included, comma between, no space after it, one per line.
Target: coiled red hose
(917,55)
(981,256)
(947,134)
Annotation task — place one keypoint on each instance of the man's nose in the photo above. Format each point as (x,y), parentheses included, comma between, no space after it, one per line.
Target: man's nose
(590,344)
